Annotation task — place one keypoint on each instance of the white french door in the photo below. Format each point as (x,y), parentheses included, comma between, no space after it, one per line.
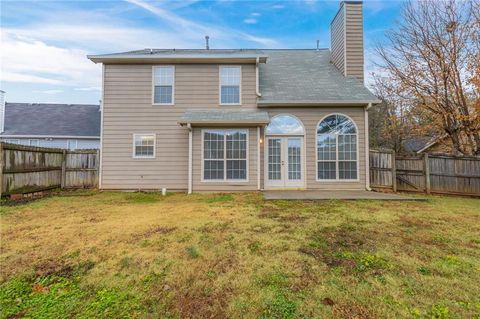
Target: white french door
(284,162)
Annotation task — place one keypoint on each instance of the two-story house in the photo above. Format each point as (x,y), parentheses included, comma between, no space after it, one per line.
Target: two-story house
(238,120)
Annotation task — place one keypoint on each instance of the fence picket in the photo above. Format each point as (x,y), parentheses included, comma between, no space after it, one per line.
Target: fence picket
(443,174)
(28,169)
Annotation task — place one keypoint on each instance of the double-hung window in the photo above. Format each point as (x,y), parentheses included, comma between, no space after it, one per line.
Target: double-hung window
(163,84)
(144,145)
(224,155)
(230,84)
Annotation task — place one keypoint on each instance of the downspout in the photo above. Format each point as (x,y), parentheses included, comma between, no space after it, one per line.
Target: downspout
(257,85)
(189,126)
(258,158)
(257,91)
(367,150)
(102,105)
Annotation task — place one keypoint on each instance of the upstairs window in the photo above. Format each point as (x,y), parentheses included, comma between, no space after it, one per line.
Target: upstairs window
(230,80)
(144,145)
(163,84)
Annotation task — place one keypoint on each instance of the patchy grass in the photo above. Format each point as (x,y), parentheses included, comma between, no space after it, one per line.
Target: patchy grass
(142,255)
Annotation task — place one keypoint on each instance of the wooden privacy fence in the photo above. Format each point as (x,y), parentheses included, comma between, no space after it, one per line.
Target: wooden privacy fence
(26,169)
(443,174)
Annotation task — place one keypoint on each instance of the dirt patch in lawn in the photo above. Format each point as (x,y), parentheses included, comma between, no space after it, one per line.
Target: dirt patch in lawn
(346,246)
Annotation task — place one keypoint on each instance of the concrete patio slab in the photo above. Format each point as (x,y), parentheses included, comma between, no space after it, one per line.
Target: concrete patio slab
(337,194)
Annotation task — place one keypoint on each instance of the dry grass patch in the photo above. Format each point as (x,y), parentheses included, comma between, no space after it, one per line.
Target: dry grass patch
(141,255)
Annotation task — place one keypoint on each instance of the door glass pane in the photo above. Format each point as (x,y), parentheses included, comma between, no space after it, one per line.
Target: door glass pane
(274,159)
(294,159)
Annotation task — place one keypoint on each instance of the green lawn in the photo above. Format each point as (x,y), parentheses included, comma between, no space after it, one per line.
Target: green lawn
(128,255)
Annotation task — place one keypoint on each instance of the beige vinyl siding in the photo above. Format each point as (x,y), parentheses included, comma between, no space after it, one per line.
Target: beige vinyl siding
(354,40)
(337,31)
(249,185)
(347,40)
(310,118)
(128,110)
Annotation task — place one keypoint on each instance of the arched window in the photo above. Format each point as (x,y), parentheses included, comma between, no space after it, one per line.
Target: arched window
(285,125)
(337,157)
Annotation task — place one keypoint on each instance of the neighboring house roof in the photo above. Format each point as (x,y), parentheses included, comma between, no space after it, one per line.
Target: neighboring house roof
(52,119)
(288,76)
(224,117)
(421,144)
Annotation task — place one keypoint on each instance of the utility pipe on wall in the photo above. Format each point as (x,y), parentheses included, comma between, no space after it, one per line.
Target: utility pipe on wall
(367,150)
(190,153)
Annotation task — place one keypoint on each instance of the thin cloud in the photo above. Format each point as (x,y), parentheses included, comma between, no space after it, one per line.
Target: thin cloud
(88,89)
(51,92)
(188,26)
(33,61)
(278,6)
(250,21)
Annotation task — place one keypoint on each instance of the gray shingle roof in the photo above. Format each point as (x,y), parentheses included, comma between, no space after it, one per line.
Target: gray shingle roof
(181,54)
(307,76)
(52,119)
(224,117)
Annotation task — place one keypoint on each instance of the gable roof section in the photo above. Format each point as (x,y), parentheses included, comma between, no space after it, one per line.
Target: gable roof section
(52,119)
(224,117)
(182,55)
(306,77)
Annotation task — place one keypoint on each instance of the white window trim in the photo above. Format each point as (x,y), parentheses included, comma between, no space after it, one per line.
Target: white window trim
(154,146)
(76,144)
(286,134)
(337,171)
(265,151)
(220,84)
(153,84)
(225,180)
(31,140)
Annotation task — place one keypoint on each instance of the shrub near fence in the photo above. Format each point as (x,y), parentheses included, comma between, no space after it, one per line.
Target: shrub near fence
(443,174)
(26,169)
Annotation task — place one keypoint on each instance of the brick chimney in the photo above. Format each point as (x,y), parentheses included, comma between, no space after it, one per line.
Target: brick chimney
(346,33)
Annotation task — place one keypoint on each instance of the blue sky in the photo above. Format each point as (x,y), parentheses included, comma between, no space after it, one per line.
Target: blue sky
(44,43)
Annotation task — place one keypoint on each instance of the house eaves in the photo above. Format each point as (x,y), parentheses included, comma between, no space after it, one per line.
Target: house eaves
(178,58)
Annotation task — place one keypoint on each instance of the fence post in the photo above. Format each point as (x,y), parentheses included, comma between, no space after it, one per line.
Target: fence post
(1,168)
(64,169)
(394,172)
(427,172)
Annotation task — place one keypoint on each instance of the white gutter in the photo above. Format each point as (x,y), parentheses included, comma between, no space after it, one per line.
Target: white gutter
(318,103)
(367,150)
(101,129)
(190,152)
(51,136)
(257,83)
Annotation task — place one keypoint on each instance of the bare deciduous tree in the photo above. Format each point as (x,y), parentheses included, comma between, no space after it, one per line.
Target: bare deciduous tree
(431,61)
